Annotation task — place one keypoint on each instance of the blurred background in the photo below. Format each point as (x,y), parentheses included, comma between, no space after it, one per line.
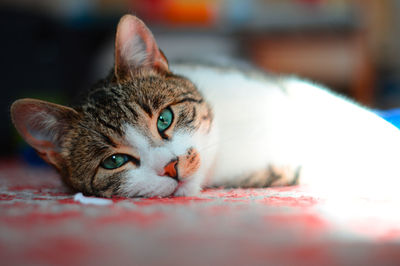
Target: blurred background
(54,49)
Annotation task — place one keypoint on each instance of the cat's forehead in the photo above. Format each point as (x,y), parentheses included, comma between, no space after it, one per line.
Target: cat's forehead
(152,90)
(112,105)
(159,88)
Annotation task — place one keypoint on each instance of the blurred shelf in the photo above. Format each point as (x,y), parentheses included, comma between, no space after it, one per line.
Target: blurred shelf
(339,60)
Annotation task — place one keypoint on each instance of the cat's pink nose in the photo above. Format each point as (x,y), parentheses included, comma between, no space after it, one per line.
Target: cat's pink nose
(170,169)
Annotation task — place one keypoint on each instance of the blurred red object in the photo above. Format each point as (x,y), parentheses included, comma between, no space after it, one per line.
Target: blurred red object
(178,12)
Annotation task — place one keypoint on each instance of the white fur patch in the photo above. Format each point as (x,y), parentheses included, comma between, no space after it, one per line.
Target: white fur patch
(91,200)
(248,118)
(147,179)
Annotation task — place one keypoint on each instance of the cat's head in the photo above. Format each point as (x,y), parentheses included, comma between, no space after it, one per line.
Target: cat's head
(141,132)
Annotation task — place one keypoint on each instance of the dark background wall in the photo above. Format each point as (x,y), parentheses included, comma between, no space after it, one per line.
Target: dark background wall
(53,49)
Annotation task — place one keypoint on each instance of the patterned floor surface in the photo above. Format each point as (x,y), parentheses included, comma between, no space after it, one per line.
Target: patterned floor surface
(42,224)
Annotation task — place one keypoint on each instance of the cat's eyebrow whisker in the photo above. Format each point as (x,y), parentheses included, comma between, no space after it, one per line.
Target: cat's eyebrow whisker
(214,144)
(208,147)
(226,140)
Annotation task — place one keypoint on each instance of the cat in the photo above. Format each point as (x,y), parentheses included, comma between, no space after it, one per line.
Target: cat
(150,129)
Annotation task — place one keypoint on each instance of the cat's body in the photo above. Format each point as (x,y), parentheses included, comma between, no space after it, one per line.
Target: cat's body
(295,129)
(151,129)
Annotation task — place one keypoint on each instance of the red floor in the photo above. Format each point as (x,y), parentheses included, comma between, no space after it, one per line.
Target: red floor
(41,224)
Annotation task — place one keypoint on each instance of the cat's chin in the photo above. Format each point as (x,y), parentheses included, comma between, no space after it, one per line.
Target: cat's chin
(187,189)
(158,194)
(151,186)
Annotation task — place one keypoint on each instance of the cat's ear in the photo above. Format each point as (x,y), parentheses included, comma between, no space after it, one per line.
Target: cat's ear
(135,48)
(43,125)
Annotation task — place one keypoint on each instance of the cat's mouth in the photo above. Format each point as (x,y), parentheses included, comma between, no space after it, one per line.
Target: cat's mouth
(180,181)
(180,184)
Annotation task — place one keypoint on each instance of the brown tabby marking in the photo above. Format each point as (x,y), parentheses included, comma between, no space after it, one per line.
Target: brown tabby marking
(272,177)
(109,107)
(96,128)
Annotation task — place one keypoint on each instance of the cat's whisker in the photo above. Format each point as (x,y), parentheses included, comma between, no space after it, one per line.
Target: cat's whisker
(216,144)
(227,140)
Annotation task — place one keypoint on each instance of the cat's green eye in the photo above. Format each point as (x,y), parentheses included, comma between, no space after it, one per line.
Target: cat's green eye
(165,120)
(115,161)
